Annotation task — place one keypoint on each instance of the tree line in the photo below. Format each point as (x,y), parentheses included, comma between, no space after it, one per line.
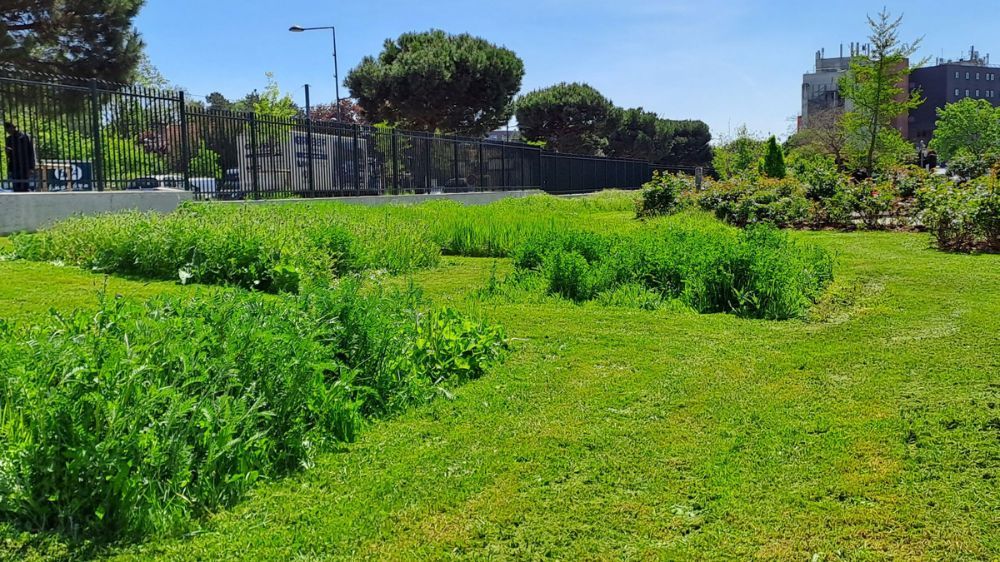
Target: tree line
(429,81)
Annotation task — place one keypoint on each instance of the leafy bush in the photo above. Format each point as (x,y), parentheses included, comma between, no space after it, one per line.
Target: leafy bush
(745,201)
(758,272)
(907,180)
(820,176)
(131,420)
(965,165)
(963,217)
(659,196)
(870,201)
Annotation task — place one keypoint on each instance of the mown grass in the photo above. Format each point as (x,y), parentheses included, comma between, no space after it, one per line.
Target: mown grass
(869,430)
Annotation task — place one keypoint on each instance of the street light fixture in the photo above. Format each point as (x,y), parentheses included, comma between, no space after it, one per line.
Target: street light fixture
(336,72)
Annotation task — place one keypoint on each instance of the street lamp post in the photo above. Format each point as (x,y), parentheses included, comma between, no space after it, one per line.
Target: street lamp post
(336,72)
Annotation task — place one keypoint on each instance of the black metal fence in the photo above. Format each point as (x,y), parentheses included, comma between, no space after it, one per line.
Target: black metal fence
(96,136)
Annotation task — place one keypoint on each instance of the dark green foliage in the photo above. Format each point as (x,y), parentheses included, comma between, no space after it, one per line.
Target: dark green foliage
(758,272)
(434,81)
(634,135)
(659,195)
(130,421)
(643,135)
(571,118)
(684,142)
(80,38)
(774,160)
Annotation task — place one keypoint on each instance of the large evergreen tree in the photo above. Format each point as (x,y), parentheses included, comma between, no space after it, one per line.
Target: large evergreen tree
(634,134)
(438,82)
(571,118)
(81,38)
(683,142)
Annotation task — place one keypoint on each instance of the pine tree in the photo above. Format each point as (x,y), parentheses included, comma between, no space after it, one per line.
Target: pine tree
(774,160)
(81,38)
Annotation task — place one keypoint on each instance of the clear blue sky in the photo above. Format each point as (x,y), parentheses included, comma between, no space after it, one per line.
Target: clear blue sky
(727,62)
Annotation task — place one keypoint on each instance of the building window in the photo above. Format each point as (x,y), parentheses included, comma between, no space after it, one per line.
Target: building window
(956,75)
(967,93)
(957,93)
(967,75)
(977,76)
(977,93)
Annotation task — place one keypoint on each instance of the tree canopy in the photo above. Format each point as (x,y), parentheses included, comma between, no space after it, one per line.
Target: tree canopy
(972,125)
(80,38)
(572,118)
(875,90)
(644,135)
(437,82)
(688,142)
(634,135)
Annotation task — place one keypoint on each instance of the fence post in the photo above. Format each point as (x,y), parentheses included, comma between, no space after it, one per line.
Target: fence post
(503,165)
(95,124)
(428,161)
(699,176)
(254,180)
(357,162)
(521,158)
(454,146)
(482,174)
(395,162)
(185,147)
(309,146)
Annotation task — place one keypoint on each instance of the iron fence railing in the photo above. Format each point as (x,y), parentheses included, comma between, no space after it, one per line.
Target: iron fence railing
(98,136)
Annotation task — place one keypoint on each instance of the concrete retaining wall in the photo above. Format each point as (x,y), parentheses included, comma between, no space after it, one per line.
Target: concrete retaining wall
(31,211)
(481,198)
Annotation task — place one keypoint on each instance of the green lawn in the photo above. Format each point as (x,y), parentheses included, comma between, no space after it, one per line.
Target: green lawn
(870,431)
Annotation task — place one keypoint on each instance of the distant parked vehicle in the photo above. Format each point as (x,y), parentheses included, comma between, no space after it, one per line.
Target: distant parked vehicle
(203,186)
(170,182)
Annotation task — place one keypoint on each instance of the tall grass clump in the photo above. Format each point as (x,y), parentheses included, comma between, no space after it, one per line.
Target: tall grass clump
(130,421)
(758,272)
(270,248)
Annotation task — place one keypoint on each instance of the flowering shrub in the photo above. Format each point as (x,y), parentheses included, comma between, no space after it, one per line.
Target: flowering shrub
(869,201)
(660,195)
(963,217)
(742,201)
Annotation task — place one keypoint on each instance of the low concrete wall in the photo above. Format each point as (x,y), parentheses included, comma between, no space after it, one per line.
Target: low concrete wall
(479,198)
(32,211)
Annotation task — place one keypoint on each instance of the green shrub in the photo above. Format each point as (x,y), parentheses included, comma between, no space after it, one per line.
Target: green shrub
(659,196)
(963,217)
(820,176)
(870,201)
(907,180)
(129,421)
(965,165)
(745,201)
